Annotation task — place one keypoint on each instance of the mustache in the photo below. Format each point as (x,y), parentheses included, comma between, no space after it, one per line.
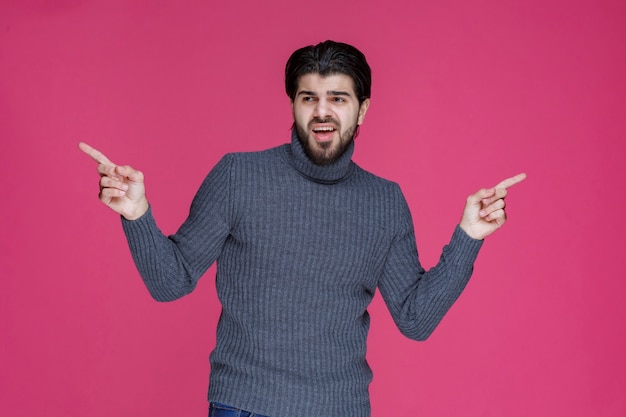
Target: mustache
(325,120)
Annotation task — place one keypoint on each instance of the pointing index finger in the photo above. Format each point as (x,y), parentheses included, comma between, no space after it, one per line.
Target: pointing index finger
(95,154)
(509,182)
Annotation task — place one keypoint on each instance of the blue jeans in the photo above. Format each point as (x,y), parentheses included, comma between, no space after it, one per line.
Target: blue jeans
(222,410)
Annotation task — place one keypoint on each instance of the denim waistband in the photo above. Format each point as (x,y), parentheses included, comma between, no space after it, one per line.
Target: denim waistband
(223,410)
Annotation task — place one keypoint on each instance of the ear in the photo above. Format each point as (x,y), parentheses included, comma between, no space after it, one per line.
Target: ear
(362,111)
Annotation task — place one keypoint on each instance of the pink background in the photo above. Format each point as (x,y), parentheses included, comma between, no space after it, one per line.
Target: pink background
(465,94)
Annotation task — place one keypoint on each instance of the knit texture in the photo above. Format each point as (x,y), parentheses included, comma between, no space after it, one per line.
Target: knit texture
(300,251)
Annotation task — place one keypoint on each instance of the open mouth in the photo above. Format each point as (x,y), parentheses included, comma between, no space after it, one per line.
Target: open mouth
(323,133)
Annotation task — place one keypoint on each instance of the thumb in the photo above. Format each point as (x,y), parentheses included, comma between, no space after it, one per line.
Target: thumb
(478,196)
(130,173)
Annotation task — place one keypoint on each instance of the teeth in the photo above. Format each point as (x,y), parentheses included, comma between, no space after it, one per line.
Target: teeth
(324,129)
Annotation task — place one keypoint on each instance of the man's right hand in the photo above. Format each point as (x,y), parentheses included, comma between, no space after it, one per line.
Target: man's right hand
(121,187)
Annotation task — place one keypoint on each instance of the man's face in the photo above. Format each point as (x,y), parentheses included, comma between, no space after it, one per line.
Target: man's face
(326,113)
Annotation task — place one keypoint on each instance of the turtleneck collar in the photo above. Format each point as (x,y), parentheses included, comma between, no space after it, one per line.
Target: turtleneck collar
(327,174)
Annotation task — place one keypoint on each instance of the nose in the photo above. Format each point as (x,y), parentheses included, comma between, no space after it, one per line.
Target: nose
(322,110)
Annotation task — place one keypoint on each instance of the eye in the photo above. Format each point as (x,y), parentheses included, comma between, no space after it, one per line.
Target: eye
(308,99)
(339,99)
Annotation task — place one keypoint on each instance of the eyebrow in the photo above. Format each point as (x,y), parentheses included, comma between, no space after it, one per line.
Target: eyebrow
(330,93)
(338,93)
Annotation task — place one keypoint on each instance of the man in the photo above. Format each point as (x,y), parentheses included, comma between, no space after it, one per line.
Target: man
(303,238)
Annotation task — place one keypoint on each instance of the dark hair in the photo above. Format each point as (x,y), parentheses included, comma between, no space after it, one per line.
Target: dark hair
(328,58)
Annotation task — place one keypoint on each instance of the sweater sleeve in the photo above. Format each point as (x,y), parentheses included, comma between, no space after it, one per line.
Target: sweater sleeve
(170,266)
(419,299)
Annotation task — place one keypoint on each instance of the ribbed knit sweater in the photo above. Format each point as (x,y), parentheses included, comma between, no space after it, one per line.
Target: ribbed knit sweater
(300,251)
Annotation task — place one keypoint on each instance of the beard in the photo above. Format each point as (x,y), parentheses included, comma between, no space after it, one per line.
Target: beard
(327,152)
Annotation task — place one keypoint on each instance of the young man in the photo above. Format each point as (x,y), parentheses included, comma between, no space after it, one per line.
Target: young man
(303,238)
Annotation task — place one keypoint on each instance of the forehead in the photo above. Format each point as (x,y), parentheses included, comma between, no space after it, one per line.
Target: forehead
(318,84)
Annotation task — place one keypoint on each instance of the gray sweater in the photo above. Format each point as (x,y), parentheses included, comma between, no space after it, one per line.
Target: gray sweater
(300,251)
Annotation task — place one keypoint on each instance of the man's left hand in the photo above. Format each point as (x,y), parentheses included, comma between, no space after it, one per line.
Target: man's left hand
(485,210)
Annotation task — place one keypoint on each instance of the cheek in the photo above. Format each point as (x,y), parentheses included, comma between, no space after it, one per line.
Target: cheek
(300,114)
(354,118)
(301,119)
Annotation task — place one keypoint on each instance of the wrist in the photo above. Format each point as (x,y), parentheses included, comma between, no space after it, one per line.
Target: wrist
(139,211)
(468,231)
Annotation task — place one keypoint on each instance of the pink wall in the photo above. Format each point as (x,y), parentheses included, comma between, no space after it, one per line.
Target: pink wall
(465,94)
